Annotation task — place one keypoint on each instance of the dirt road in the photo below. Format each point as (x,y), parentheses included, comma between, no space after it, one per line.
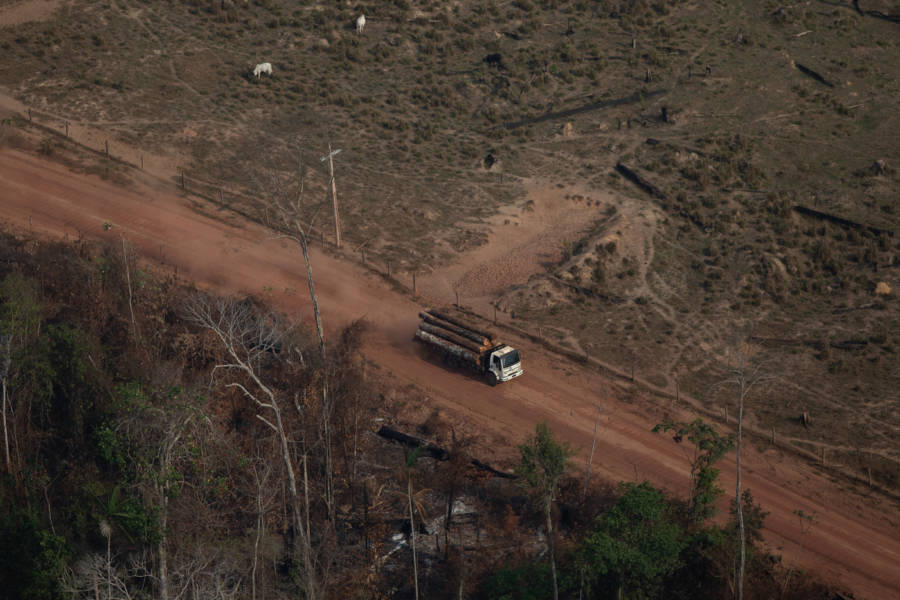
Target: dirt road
(855,541)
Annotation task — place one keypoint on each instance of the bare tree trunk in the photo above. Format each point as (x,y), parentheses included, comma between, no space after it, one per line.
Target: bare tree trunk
(5,431)
(310,583)
(737,494)
(261,482)
(128,279)
(259,527)
(547,511)
(306,495)
(161,550)
(447,522)
(412,534)
(326,406)
(312,288)
(587,475)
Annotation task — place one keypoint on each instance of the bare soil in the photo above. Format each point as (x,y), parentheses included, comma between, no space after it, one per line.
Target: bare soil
(856,539)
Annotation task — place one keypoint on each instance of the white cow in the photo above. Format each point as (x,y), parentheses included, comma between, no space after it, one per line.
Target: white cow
(360,23)
(262,68)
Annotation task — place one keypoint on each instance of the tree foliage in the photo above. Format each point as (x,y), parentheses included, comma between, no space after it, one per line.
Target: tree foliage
(709,447)
(543,462)
(635,545)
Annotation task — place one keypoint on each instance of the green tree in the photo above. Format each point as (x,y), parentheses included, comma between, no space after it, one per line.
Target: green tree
(543,463)
(634,546)
(709,448)
(32,558)
(526,582)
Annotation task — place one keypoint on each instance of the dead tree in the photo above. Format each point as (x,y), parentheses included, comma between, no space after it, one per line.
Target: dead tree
(247,337)
(295,222)
(744,375)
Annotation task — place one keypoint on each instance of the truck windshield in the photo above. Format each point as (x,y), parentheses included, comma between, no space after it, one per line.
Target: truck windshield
(510,359)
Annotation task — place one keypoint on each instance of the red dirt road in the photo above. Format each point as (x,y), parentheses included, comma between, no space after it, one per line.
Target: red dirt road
(854,543)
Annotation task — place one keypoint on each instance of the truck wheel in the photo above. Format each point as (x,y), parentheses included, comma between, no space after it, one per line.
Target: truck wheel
(491,379)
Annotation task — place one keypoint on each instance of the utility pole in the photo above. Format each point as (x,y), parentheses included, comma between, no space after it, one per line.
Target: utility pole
(337,218)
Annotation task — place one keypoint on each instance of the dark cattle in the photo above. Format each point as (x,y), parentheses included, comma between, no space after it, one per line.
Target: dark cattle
(494,60)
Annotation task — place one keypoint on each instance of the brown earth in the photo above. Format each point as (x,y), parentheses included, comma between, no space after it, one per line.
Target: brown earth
(15,13)
(855,541)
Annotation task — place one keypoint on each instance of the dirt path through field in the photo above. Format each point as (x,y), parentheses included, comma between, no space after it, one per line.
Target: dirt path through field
(855,542)
(527,237)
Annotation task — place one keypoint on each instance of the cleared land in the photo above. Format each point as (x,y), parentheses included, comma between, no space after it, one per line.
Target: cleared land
(735,111)
(768,107)
(854,543)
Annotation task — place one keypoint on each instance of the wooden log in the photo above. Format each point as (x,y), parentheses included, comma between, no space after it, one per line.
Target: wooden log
(435,452)
(442,314)
(811,212)
(640,181)
(449,347)
(814,75)
(452,337)
(467,333)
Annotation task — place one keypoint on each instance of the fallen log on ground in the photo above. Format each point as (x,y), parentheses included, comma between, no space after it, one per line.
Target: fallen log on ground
(436,452)
(811,212)
(640,181)
(814,75)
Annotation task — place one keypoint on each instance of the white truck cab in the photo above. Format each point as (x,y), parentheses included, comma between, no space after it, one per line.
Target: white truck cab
(505,365)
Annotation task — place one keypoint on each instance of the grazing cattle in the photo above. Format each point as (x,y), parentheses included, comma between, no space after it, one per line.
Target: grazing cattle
(360,23)
(494,60)
(262,68)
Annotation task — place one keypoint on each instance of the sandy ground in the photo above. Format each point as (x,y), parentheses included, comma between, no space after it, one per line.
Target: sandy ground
(524,240)
(26,11)
(855,542)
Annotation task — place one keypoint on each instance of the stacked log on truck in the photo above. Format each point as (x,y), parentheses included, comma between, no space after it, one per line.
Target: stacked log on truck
(455,336)
(462,343)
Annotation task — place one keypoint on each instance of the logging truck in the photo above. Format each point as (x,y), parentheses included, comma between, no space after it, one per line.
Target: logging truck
(462,344)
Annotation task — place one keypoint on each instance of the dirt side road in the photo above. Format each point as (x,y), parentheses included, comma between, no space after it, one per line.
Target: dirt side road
(855,541)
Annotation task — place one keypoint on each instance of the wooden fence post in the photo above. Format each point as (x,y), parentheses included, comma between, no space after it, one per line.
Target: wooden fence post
(415,291)
(389,268)
(363,256)
(457,298)
(107,148)
(773,435)
(67,129)
(182,180)
(29,114)
(726,414)
(221,196)
(142,161)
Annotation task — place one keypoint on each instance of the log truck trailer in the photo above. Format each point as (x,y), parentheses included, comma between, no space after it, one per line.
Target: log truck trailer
(462,344)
